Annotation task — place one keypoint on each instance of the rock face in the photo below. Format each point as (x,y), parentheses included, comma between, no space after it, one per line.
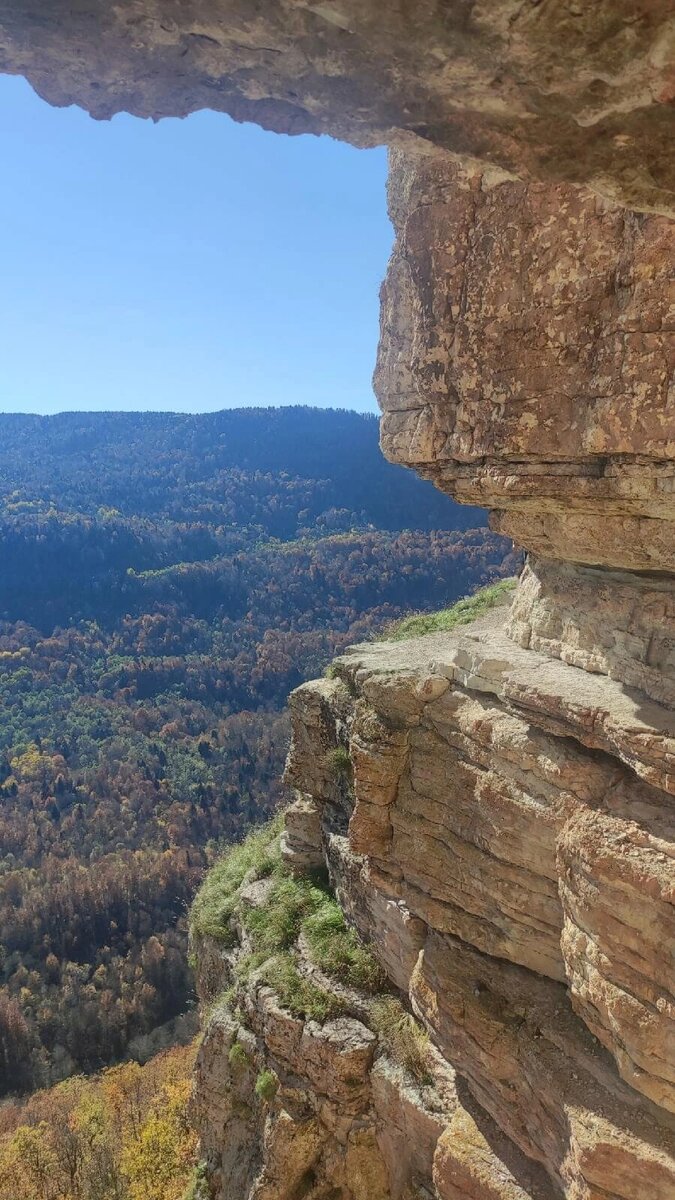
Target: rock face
(495,807)
(499,827)
(569,91)
(505,833)
(527,360)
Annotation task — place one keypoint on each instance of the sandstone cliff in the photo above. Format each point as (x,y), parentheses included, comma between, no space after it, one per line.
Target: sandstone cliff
(510,869)
(494,807)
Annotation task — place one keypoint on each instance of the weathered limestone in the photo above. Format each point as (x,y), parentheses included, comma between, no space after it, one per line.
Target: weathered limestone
(538,1074)
(301,840)
(496,808)
(552,91)
(470,1164)
(612,623)
(527,360)
(343,1118)
(522,861)
(617,887)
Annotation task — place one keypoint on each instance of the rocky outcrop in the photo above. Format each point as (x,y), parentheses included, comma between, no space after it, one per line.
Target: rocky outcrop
(494,807)
(527,360)
(360,1105)
(507,835)
(499,827)
(569,91)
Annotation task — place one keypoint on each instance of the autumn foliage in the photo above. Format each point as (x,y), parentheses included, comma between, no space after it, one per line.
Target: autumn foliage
(166,581)
(121,1135)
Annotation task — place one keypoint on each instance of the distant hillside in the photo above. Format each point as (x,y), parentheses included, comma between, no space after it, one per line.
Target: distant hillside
(165,581)
(281,470)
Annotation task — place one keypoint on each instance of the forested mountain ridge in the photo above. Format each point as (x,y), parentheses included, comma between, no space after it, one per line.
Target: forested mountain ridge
(165,581)
(222,468)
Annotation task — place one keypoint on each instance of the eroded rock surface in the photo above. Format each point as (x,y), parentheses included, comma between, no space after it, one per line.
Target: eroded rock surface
(614,623)
(502,837)
(506,832)
(527,360)
(578,92)
(495,808)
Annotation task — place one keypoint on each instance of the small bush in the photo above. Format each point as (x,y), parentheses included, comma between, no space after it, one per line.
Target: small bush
(266,1086)
(402,1037)
(216,899)
(336,949)
(237,1057)
(462,613)
(198,1187)
(339,763)
(300,996)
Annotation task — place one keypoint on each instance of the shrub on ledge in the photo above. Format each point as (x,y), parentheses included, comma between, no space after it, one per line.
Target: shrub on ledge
(402,1037)
(295,910)
(266,1086)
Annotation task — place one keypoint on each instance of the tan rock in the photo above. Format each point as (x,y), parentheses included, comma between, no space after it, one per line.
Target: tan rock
(366,1174)
(594,710)
(334,1059)
(408,1129)
(526,360)
(292,1148)
(467,1167)
(301,840)
(611,623)
(378,754)
(223,1108)
(522,823)
(317,716)
(618,892)
(531,1064)
(553,92)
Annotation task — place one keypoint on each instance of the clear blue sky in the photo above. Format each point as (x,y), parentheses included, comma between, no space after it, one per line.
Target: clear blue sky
(189,265)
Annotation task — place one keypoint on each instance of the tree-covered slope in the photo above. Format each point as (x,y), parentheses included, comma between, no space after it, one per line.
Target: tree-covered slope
(164,582)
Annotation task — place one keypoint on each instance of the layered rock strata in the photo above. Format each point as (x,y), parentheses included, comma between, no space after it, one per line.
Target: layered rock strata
(569,91)
(496,806)
(290,1107)
(510,861)
(527,360)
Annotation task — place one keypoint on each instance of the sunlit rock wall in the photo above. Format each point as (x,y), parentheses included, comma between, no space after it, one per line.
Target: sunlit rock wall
(527,360)
(505,845)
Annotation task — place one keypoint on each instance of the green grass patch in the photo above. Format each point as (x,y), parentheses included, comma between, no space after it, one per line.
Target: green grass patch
(299,995)
(296,906)
(293,907)
(266,1086)
(462,613)
(218,896)
(277,924)
(403,1037)
(337,950)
